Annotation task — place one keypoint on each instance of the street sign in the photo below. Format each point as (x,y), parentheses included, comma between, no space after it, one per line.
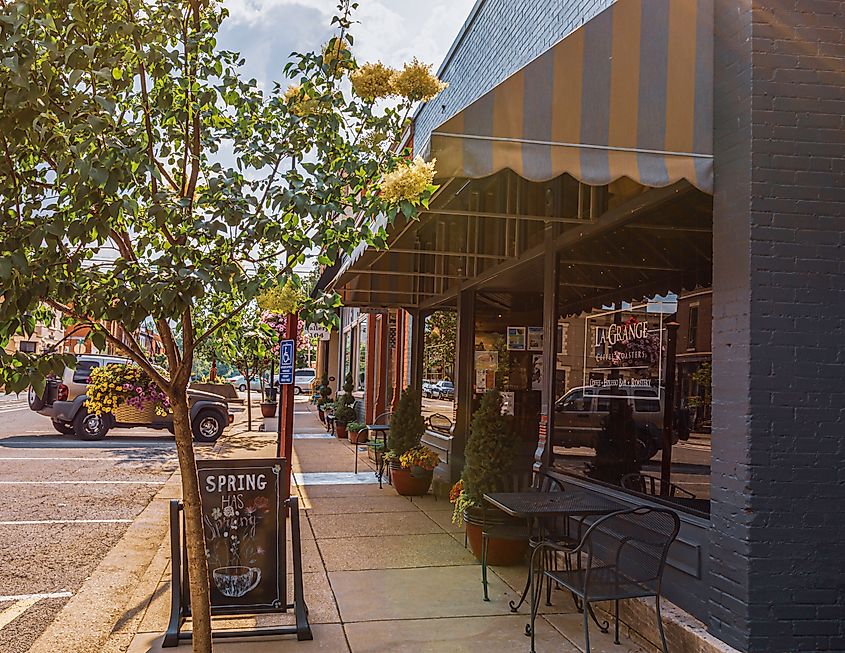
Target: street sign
(317,331)
(286,362)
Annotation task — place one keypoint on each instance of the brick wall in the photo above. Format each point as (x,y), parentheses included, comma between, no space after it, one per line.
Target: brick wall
(502,36)
(778,471)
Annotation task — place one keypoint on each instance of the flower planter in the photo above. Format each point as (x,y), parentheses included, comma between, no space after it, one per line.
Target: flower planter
(268,409)
(413,482)
(340,430)
(357,437)
(500,552)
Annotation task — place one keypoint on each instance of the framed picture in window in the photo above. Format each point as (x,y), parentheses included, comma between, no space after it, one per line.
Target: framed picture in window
(516,338)
(535,338)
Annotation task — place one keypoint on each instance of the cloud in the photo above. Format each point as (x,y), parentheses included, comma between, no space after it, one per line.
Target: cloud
(265,32)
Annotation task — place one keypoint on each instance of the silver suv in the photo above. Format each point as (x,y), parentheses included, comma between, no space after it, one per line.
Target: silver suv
(581,414)
(64,403)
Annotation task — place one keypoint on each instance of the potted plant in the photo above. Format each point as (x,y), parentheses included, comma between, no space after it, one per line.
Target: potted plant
(268,406)
(411,477)
(354,430)
(489,455)
(344,408)
(324,398)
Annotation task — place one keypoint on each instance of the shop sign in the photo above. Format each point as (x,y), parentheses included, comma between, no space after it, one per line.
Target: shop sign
(241,506)
(317,331)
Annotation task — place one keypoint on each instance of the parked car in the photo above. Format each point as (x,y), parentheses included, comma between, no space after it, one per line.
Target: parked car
(581,413)
(302,380)
(240,382)
(426,388)
(64,398)
(443,390)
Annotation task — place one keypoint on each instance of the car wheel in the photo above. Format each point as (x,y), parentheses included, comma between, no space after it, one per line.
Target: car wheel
(207,426)
(63,427)
(297,390)
(88,426)
(242,387)
(35,402)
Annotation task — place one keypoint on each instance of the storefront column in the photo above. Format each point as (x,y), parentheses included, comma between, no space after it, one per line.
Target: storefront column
(398,358)
(464,381)
(544,454)
(417,346)
(370,380)
(381,364)
(778,582)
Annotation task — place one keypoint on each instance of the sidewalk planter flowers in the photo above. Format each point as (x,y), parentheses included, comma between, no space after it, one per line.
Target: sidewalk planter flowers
(412,473)
(489,457)
(411,465)
(357,432)
(127,392)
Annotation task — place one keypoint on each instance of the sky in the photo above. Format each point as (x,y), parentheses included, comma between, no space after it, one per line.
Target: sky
(265,32)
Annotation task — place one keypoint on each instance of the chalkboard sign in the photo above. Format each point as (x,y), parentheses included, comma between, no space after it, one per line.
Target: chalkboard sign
(244,521)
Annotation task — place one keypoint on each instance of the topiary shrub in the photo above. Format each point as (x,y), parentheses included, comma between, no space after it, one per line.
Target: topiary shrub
(344,407)
(406,424)
(324,392)
(490,449)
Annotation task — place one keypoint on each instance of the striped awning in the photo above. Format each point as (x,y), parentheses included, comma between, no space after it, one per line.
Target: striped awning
(629,93)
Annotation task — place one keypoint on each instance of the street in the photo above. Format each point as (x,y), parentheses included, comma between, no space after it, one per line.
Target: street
(64,503)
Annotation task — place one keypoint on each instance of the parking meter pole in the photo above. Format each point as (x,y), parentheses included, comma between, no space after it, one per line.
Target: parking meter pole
(284,447)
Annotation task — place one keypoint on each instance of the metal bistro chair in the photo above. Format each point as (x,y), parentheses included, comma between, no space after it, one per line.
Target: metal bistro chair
(651,485)
(377,441)
(626,554)
(552,529)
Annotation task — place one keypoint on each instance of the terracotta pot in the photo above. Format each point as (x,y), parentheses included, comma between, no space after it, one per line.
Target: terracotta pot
(500,552)
(340,430)
(412,482)
(357,437)
(268,409)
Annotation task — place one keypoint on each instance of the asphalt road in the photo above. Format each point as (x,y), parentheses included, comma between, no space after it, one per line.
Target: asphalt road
(64,504)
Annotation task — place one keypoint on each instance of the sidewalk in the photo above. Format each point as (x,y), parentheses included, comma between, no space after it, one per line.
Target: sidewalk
(382,572)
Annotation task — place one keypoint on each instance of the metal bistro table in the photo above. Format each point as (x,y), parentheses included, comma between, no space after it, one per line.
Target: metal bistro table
(532,506)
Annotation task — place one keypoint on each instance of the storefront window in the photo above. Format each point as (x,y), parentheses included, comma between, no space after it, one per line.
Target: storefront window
(609,410)
(347,355)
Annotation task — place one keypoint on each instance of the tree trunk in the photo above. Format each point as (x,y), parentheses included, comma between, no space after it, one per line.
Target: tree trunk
(212,374)
(248,399)
(194,532)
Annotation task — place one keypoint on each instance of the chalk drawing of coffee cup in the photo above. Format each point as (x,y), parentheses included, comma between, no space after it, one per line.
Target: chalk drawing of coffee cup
(236,581)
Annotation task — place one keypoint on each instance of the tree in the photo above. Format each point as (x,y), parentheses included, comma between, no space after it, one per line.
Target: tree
(116,205)
(441,333)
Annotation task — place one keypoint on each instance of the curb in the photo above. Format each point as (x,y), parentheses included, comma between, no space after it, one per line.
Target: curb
(99,617)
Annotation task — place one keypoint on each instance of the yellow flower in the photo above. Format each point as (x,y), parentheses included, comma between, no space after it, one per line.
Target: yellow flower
(336,53)
(416,82)
(299,102)
(373,80)
(408,182)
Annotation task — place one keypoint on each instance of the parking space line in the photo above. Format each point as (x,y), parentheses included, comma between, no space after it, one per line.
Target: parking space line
(27,597)
(37,522)
(15,610)
(81,482)
(91,458)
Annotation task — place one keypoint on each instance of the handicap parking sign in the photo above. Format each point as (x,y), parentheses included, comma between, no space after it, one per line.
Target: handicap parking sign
(286,362)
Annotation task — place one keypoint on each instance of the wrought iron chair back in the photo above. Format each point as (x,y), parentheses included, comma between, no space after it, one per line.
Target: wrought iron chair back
(635,543)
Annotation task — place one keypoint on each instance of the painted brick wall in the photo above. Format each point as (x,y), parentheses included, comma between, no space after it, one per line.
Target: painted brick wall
(778,473)
(503,36)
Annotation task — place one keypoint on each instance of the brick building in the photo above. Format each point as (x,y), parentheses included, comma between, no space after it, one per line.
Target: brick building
(593,153)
